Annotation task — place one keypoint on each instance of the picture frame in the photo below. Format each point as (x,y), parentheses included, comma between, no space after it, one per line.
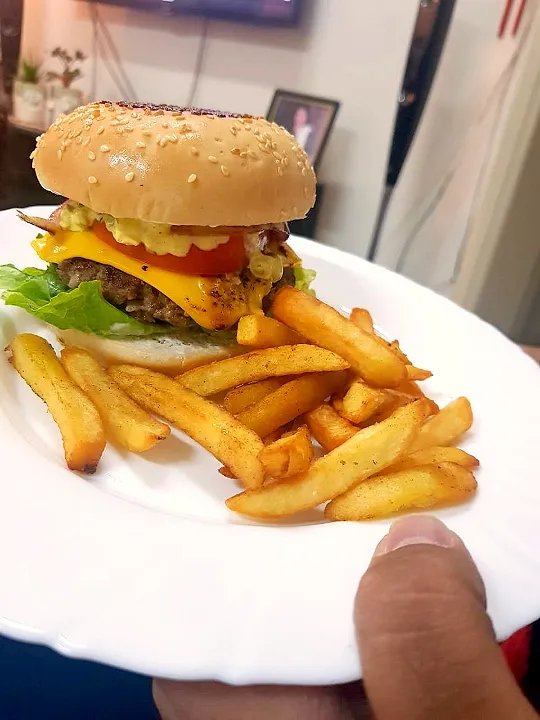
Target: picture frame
(309,118)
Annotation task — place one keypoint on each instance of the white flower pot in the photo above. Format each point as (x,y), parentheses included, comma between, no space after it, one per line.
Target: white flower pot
(65,100)
(28,103)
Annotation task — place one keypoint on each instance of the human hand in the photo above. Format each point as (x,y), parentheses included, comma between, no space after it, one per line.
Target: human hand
(427,647)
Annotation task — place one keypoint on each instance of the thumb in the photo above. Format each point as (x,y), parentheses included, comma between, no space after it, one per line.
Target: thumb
(427,645)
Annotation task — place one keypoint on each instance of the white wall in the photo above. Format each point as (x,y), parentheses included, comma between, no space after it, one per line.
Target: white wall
(351,50)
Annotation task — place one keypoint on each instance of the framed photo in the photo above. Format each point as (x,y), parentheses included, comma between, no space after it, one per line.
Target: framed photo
(308,118)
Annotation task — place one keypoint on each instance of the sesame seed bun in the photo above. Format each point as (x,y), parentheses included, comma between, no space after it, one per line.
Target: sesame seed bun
(175,165)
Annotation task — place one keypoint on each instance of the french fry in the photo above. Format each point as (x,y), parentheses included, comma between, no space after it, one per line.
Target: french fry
(417,488)
(240,398)
(368,452)
(78,420)
(434,456)
(233,444)
(259,331)
(408,387)
(291,400)
(328,427)
(360,402)
(321,324)
(445,427)
(125,422)
(414,373)
(290,455)
(227,473)
(394,346)
(362,319)
(259,365)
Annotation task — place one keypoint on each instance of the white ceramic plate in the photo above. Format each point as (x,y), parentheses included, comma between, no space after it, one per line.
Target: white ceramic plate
(143,566)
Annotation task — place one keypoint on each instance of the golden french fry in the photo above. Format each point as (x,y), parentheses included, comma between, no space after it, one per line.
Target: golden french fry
(259,365)
(413,489)
(240,398)
(290,455)
(235,445)
(394,346)
(125,422)
(321,324)
(259,331)
(328,427)
(227,473)
(291,400)
(362,319)
(368,452)
(77,418)
(446,426)
(408,387)
(434,456)
(414,373)
(360,402)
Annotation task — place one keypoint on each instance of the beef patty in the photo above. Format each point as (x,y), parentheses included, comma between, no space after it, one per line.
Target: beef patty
(136,297)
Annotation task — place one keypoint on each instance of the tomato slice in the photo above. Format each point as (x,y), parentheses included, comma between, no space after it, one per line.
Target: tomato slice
(227,258)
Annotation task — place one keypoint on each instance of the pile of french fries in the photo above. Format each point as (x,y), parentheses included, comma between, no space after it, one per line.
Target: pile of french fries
(381,446)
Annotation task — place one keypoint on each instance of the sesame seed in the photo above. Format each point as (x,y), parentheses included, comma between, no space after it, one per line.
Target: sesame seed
(247,128)
(165,124)
(300,164)
(140,144)
(256,131)
(264,149)
(115,122)
(146,133)
(173,137)
(276,155)
(178,117)
(91,155)
(279,170)
(243,154)
(33,154)
(59,154)
(252,155)
(163,141)
(225,171)
(286,161)
(104,148)
(218,139)
(194,151)
(274,145)
(158,138)
(128,177)
(128,128)
(92,180)
(304,172)
(125,121)
(79,140)
(233,130)
(86,141)
(212,159)
(134,115)
(266,135)
(192,178)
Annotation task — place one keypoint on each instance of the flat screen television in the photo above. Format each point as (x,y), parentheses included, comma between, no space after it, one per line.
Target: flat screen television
(261,12)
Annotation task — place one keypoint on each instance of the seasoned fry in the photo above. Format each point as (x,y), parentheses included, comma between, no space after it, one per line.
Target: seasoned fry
(445,427)
(362,319)
(290,455)
(259,365)
(291,400)
(240,398)
(328,428)
(321,324)
(414,373)
(215,429)
(77,418)
(227,473)
(394,346)
(413,489)
(360,402)
(368,452)
(125,422)
(259,331)
(434,456)
(408,387)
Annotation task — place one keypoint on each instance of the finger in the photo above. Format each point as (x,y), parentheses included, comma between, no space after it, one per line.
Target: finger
(427,645)
(214,701)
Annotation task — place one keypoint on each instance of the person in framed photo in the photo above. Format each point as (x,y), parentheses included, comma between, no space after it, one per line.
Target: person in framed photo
(308,118)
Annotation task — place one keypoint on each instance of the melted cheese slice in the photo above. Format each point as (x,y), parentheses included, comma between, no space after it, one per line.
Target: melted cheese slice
(215,303)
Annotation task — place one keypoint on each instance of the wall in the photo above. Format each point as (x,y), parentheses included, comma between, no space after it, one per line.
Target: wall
(352,51)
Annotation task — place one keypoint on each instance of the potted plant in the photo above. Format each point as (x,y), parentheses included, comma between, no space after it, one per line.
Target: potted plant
(28,94)
(66,98)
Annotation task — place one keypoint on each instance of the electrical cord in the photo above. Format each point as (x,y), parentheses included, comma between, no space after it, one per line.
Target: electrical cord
(132,95)
(199,63)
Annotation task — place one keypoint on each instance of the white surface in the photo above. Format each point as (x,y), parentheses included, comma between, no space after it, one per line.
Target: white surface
(142,566)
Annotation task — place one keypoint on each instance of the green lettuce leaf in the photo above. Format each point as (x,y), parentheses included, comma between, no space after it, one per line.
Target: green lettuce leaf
(42,294)
(303,279)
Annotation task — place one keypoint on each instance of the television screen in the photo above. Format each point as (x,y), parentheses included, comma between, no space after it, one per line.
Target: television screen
(267,12)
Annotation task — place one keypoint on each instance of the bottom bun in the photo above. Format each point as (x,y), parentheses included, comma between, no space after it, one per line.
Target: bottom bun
(171,354)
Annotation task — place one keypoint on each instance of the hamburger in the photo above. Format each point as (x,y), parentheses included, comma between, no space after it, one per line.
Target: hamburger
(175,227)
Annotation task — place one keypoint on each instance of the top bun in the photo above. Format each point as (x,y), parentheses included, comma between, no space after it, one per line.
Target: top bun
(179,166)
